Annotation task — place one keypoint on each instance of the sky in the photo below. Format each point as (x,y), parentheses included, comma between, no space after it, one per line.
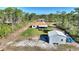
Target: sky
(45,10)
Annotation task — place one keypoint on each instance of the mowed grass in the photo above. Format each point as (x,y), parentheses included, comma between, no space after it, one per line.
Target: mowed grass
(30,32)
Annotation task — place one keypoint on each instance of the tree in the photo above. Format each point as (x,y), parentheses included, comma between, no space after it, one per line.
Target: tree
(50,17)
(26,17)
(9,14)
(1,16)
(77,17)
(13,15)
(63,14)
(18,15)
(32,16)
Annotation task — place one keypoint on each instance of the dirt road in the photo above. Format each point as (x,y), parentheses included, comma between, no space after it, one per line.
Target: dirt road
(13,36)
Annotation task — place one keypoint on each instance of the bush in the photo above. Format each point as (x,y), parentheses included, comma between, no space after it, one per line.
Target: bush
(5,29)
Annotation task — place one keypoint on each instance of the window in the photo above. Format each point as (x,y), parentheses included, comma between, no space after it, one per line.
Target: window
(61,39)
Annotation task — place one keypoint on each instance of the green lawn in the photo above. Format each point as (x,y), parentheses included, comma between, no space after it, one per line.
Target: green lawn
(32,32)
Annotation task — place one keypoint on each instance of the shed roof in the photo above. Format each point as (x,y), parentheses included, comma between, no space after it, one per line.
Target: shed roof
(56,32)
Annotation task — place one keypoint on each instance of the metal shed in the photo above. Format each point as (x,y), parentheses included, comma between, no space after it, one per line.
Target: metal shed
(57,37)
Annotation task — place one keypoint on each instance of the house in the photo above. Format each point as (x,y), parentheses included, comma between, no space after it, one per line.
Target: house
(57,37)
(40,23)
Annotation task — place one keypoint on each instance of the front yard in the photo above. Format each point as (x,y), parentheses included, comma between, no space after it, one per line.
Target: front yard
(30,32)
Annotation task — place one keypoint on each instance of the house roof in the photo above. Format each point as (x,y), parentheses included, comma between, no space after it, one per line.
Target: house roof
(56,32)
(39,23)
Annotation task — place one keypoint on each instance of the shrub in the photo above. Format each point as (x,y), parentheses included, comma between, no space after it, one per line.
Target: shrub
(5,29)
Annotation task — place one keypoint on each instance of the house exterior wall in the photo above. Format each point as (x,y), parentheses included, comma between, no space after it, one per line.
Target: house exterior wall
(62,38)
(43,26)
(35,26)
(55,38)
